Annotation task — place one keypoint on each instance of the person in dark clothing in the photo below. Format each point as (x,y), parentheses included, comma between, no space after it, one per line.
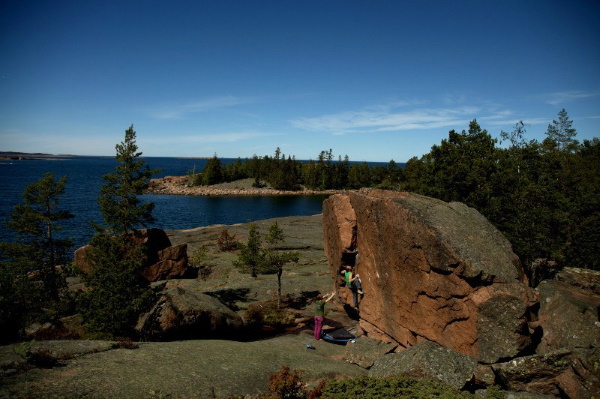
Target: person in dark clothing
(353,282)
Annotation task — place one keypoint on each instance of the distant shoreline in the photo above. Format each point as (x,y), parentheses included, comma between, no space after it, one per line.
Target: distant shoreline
(24,156)
(177,185)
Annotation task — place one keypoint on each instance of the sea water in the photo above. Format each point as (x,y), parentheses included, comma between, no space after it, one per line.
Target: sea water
(172,212)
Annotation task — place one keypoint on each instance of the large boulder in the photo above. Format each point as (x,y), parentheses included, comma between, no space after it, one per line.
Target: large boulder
(569,309)
(428,359)
(183,311)
(431,271)
(172,263)
(162,261)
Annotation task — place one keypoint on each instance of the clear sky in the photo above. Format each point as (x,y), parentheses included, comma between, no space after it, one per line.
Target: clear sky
(375,80)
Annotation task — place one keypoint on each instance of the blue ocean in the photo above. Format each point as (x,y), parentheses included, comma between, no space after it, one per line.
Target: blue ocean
(172,212)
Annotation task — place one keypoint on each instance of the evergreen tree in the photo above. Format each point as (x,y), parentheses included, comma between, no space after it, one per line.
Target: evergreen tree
(561,132)
(275,261)
(251,258)
(213,172)
(116,292)
(35,256)
(121,208)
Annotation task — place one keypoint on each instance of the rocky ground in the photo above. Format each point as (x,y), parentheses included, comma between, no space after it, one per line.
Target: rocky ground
(202,368)
(181,369)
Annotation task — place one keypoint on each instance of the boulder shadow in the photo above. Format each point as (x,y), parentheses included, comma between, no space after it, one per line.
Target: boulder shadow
(352,312)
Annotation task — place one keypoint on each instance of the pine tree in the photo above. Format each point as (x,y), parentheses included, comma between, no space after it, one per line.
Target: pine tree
(36,254)
(117,294)
(275,261)
(251,258)
(121,208)
(561,132)
(213,172)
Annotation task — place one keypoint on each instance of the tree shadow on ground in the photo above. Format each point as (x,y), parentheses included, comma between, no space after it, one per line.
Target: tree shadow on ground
(229,297)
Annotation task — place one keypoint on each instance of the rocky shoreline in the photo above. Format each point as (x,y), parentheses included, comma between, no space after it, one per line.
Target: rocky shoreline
(177,185)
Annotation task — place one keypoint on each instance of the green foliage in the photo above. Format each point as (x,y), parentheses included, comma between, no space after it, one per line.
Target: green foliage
(213,172)
(117,293)
(288,383)
(287,173)
(41,358)
(199,259)
(254,258)
(561,132)
(30,281)
(275,261)
(393,387)
(543,197)
(121,208)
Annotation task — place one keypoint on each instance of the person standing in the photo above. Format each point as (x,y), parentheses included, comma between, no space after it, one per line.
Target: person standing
(320,313)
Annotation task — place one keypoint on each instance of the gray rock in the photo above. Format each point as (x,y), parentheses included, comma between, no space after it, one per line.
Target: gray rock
(183,312)
(428,359)
(568,316)
(365,351)
(560,373)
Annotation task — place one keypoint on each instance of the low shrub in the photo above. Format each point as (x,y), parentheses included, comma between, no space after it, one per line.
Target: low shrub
(227,242)
(393,387)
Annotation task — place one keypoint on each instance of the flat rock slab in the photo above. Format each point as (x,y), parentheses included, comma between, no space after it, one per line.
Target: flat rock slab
(428,359)
(191,369)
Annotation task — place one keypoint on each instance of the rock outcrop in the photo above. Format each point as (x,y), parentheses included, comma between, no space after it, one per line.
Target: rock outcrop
(558,374)
(183,311)
(431,271)
(569,311)
(163,261)
(428,359)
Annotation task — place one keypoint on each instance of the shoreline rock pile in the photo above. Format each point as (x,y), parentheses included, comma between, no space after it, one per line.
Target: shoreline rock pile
(178,185)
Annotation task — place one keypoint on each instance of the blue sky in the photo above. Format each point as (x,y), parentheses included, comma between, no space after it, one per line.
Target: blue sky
(374,80)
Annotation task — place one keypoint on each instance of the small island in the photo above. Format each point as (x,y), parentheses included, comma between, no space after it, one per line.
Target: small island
(178,185)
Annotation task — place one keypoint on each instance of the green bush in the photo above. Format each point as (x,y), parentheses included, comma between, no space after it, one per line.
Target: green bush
(393,387)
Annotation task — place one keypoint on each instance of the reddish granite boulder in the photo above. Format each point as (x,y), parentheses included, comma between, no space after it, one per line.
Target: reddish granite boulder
(432,271)
(163,261)
(172,263)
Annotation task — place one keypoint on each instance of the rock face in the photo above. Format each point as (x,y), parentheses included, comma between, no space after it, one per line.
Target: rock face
(569,311)
(163,261)
(431,271)
(184,312)
(172,263)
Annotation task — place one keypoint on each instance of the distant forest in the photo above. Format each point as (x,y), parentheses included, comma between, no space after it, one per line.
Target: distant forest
(544,196)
